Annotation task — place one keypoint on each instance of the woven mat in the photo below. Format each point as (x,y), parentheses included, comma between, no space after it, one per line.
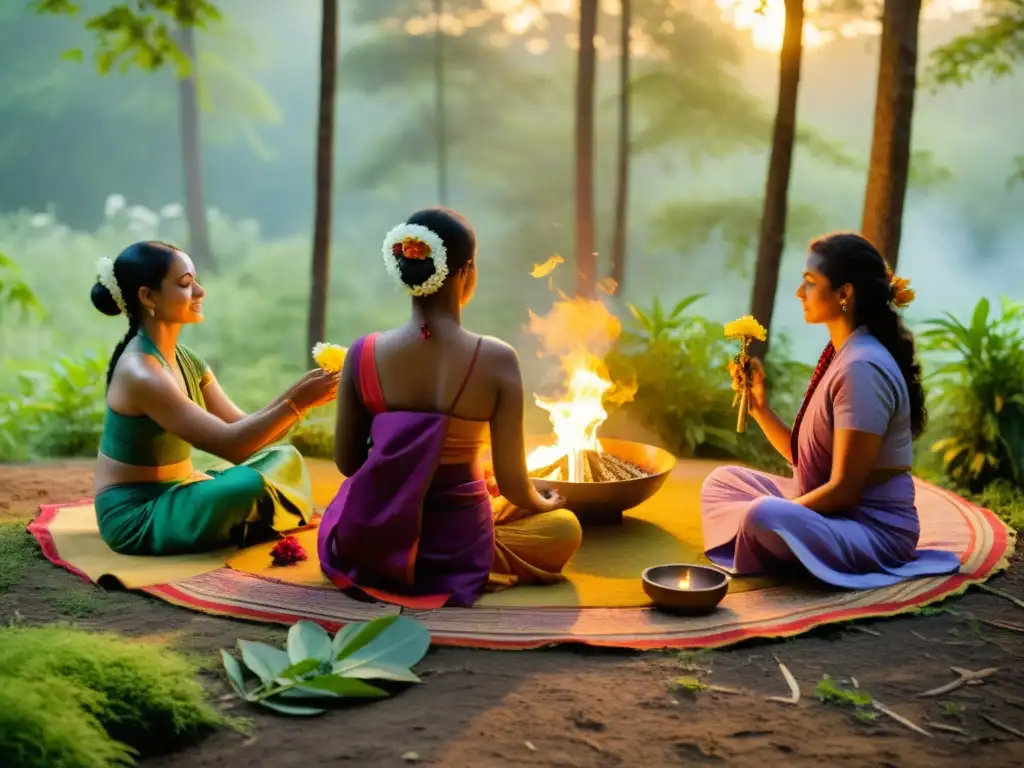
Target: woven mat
(601,604)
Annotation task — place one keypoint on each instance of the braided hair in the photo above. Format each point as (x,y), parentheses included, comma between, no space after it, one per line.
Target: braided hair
(140,265)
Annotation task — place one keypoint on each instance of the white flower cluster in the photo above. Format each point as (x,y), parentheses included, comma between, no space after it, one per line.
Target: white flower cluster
(105,277)
(437,254)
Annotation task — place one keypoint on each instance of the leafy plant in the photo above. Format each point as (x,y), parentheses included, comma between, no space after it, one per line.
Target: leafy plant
(114,695)
(315,670)
(14,291)
(978,389)
(55,412)
(313,438)
(679,362)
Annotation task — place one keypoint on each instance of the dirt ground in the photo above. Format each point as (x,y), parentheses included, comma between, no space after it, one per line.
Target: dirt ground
(579,707)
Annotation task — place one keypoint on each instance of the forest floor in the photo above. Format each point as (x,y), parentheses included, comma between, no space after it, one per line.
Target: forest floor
(581,707)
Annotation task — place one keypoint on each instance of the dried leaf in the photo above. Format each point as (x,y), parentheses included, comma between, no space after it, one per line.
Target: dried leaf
(899,718)
(794,686)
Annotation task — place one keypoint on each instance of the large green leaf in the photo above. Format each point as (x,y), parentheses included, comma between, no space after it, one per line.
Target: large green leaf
(354,637)
(265,661)
(234,673)
(345,686)
(291,709)
(381,672)
(402,642)
(307,640)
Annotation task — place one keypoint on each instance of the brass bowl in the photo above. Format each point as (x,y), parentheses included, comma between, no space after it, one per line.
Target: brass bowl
(604,503)
(708,587)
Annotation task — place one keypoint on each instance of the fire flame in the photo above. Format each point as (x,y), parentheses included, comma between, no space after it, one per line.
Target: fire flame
(580,332)
(684,583)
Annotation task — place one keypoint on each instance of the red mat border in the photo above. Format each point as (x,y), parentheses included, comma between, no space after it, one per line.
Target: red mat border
(1002,547)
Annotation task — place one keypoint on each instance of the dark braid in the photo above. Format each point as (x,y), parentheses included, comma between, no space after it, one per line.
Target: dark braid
(847,258)
(122,345)
(141,265)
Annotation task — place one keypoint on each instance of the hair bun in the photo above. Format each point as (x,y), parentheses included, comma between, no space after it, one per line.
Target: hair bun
(103,301)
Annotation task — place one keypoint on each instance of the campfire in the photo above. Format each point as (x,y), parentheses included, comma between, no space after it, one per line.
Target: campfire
(580,332)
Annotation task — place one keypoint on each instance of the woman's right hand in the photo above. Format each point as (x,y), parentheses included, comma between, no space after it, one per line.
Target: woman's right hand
(550,501)
(314,389)
(758,400)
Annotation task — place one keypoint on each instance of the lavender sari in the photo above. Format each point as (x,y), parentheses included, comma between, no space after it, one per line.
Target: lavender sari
(751,526)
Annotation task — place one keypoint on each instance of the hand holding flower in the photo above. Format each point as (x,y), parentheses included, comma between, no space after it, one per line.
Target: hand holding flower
(746,329)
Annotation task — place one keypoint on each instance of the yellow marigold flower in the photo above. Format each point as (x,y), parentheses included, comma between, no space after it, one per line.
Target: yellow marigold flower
(902,293)
(330,357)
(745,327)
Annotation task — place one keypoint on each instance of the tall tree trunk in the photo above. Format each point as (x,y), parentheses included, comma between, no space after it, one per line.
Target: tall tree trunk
(622,164)
(889,170)
(776,194)
(440,111)
(192,157)
(586,76)
(321,273)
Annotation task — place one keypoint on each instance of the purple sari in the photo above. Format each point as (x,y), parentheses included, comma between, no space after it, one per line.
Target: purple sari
(406,528)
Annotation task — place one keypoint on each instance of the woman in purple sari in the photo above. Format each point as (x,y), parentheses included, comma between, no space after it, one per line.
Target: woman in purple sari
(848,515)
(413,522)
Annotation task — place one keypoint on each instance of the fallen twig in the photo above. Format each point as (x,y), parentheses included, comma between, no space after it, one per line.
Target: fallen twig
(945,727)
(794,686)
(865,630)
(962,643)
(999,593)
(1008,625)
(1001,726)
(899,718)
(966,677)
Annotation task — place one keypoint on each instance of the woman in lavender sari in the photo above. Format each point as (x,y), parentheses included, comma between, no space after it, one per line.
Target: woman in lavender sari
(413,523)
(848,515)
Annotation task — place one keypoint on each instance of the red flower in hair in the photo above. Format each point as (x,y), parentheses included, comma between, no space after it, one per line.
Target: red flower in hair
(288,551)
(415,249)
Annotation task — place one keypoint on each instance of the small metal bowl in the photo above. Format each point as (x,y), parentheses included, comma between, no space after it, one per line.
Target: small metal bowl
(706,588)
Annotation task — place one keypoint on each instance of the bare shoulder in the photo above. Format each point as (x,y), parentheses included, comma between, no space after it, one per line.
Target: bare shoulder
(499,356)
(138,372)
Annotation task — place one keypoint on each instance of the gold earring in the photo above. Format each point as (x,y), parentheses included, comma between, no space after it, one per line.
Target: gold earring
(842,307)
(152,313)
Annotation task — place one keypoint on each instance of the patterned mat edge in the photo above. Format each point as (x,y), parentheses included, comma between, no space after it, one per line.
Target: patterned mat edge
(997,560)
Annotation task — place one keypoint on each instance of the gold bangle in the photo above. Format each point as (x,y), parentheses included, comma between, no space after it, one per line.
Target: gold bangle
(298,413)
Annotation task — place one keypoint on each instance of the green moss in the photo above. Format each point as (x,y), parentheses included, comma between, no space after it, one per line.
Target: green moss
(48,722)
(17,551)
(150,698)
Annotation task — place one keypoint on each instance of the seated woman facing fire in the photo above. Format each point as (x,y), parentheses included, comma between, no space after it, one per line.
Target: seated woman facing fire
(849,515)
(413,523)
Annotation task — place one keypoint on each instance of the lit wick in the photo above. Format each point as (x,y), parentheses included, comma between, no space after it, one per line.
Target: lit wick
(684,583)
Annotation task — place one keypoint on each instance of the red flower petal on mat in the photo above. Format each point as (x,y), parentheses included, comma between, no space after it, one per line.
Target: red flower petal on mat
(288,551)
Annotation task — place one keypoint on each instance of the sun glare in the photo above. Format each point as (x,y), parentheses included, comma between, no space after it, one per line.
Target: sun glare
(766,20)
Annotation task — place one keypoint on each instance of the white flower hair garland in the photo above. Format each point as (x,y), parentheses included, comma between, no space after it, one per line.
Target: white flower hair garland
(105,277)
(414,241)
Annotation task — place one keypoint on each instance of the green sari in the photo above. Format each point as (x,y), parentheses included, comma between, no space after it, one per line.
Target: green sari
(235,505)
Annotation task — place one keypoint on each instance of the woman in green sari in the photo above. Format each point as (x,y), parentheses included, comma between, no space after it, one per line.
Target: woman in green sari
(163,399)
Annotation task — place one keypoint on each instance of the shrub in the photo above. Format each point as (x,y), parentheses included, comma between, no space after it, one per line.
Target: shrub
(684,394)
(56,411)
(142,695)
(977,394)
(48,722)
